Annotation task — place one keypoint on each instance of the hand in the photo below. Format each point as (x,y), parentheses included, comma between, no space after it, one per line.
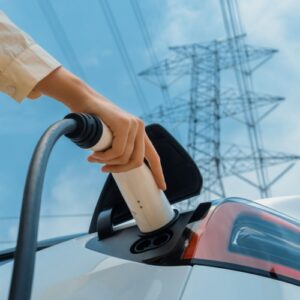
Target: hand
(130,145)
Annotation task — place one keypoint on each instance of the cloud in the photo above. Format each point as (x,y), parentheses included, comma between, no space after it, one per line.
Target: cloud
(271,24)
(274,23)
(186,22)
(94,59)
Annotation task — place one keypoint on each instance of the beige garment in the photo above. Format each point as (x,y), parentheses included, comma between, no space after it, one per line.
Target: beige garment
(23,63)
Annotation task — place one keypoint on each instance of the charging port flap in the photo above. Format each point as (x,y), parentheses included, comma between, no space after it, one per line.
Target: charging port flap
(182,176)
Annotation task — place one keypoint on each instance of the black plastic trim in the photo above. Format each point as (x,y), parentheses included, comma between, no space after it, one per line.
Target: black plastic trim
(104,224)
(122,243)
(8,254)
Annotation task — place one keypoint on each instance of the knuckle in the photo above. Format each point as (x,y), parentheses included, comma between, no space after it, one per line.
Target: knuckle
(141,123)
(117,152)
(135,122)
(137,163)
(156,157)
(124,160)
(124,122)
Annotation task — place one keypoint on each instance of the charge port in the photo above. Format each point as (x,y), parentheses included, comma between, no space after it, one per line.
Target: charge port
(161,239)
(141,245)
(150,243)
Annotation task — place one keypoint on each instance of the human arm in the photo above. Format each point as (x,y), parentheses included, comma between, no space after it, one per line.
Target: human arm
(26,70)
(130,143)
(23,63)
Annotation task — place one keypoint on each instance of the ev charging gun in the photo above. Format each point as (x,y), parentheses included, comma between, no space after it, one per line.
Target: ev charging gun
(146,202)
(148,205)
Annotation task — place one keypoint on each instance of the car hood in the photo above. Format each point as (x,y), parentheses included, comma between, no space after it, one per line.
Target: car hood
(70,271)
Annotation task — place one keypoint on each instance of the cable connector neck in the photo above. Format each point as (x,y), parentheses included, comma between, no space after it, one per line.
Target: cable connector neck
(88,130)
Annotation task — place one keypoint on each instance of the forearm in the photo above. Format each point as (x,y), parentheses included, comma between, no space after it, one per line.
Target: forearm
(65,87)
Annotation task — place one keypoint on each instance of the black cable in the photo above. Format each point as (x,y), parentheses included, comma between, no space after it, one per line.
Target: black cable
(24,260)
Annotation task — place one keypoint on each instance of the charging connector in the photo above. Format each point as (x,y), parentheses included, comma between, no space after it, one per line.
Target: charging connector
(146,202)
(148,205)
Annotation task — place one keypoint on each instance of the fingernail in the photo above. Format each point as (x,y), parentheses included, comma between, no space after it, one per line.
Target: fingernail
(90,159)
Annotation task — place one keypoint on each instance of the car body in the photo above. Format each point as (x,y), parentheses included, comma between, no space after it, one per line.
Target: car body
(229,248)
(74,270)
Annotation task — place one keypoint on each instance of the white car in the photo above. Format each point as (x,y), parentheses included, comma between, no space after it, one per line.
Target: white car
(228,249)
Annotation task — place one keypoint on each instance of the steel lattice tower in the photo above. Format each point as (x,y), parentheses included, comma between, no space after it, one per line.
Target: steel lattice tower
(206,103)
(201,109)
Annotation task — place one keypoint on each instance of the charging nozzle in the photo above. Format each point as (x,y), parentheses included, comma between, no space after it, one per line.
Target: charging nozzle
(88,130)
(146,202)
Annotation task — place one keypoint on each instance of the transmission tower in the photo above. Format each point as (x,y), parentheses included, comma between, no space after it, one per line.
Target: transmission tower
(201,109)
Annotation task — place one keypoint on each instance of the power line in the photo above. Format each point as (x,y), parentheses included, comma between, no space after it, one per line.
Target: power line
(153,57)
(234,28)
(149,46)
(112,24)
(61,37)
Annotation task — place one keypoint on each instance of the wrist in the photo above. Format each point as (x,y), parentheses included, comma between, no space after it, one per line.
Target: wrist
(65,87)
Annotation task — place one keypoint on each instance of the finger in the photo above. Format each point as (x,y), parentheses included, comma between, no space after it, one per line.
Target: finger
(93,160)
(155,164)
(118,146)
(137,157)
(130,148)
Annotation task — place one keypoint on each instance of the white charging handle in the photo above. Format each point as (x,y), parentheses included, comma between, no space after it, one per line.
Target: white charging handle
(146,202)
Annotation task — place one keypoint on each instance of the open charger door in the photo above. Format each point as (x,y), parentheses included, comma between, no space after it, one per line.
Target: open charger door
(182,177)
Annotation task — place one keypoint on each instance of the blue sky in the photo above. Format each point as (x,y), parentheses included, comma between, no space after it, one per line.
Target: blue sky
(72,185)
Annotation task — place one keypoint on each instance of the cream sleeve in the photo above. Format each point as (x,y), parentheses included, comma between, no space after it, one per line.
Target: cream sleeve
(23,63)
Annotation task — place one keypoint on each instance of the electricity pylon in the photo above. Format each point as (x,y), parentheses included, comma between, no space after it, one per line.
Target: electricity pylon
(206,103)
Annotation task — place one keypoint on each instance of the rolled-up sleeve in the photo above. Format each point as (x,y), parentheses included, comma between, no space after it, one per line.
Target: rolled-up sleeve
(23,63)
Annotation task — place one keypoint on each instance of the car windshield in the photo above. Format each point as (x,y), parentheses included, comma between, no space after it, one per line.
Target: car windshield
(242,235)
